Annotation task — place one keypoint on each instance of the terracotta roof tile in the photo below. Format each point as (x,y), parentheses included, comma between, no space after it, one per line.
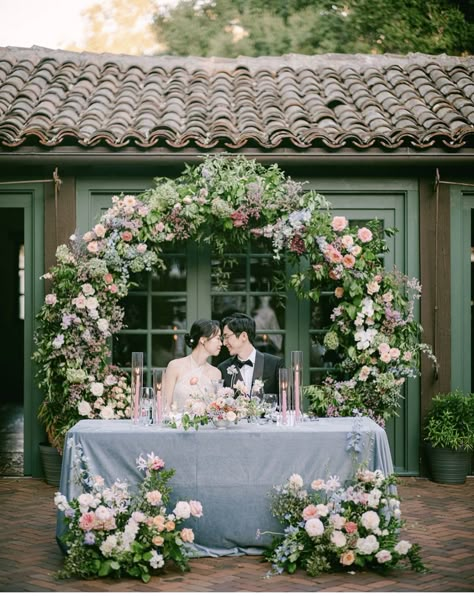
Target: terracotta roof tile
(52,96)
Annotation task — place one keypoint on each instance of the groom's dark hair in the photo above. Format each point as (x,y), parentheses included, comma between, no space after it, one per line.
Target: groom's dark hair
(238,322)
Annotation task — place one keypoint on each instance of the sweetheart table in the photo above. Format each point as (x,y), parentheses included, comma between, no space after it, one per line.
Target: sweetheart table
(230,471)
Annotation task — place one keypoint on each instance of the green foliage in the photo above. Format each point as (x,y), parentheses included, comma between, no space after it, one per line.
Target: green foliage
(233,28)
(450,421)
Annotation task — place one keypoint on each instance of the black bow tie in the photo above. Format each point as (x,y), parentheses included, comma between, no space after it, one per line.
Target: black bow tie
(241,363)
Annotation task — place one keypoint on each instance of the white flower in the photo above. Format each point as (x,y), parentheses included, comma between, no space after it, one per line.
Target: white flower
(367,546)
(322,510)
(107,413)
(156,560)
(58,341)
(231,416)
(87,290)
(92,303)
(314,527)
(370,520)
(295,481)
(138,516)
(103,325)
(84,408)
(110,380)
(85,501)
(60,501)
(97,389)
(104,513)
(383,556)
(51,299)
(402,547)
(108,545)
(374,498)
(154,497)
(338,539)
(337,521)
(182,510)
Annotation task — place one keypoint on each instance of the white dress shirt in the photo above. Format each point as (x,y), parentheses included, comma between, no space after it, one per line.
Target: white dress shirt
(247,371)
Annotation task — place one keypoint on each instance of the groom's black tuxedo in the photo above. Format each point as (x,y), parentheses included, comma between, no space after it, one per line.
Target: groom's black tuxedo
(266,369)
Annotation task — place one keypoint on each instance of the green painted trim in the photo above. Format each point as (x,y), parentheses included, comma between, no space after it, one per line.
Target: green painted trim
(461,204)
(30,198)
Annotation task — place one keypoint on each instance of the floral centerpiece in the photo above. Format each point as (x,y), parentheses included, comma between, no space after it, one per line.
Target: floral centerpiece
(333,528)
(227,201)
(224,407)
(111,532)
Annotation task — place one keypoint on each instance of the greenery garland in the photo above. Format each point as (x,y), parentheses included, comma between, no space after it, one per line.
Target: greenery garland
(225,201)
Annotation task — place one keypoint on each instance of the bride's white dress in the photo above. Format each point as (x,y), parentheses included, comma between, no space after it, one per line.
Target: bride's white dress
(194,382)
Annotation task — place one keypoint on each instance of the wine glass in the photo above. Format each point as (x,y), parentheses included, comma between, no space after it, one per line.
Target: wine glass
(270,404)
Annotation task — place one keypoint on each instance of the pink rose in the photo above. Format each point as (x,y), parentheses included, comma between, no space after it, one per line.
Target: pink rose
(309,512)
(99,231)
(364,235)
(339,223)
(50,299)
(196,508)
(187,535)
(108,278)
(113,288)
(93,247)
(141,248)
(159,227)
(126,236)
(350,527)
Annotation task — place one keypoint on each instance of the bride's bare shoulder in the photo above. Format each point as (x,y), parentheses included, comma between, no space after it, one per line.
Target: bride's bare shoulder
(176,364)
(214,373)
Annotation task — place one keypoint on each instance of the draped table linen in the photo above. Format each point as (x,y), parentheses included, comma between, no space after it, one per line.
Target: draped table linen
(230,471)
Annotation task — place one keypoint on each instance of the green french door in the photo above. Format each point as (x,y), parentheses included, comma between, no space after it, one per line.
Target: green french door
(162,305)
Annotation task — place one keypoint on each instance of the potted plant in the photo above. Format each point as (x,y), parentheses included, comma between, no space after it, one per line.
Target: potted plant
(449,435)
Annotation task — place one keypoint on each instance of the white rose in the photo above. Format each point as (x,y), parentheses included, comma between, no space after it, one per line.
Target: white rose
(370,520)
(85,501)
(231,416)
(338,539)
(97,389)
(84,408)
(322,510)
(182,510)
(107,413)
(92,303)
(367,546)
(314,527)
(337,521)
(402,547)
(103,513)
(60,501)
(383,556)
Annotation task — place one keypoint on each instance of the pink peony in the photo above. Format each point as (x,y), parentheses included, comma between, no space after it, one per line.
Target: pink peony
(87,521)
(314,527)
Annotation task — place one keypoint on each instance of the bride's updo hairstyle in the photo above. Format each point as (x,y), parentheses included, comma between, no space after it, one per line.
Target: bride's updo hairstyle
(201,328)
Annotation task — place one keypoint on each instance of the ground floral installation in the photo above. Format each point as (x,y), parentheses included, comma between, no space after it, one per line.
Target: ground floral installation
(111,532)
(224,407)
(226,201)
(332,528)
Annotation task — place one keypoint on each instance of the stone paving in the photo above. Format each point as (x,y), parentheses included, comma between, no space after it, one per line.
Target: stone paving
(439,517)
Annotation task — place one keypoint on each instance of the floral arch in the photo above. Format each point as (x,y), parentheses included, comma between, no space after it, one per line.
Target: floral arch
(225,200)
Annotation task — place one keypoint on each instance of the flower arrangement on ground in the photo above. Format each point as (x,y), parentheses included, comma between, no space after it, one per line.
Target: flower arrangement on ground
(331,528)
(227,201)
(226,405)
(111,532)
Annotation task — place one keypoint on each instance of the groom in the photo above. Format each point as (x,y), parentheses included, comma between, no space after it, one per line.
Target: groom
(248,364)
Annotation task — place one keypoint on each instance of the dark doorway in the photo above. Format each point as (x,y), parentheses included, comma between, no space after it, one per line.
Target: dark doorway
(11,346)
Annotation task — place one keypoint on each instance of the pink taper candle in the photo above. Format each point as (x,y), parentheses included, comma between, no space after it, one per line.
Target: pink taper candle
(136,397)
(297,393)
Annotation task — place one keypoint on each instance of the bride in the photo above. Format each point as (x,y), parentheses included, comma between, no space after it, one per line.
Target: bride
(193,374)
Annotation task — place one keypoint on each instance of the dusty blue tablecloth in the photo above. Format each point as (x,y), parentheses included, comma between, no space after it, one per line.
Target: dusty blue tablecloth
(230,471)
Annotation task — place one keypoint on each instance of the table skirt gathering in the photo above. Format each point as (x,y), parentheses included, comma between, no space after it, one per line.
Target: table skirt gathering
(231,472)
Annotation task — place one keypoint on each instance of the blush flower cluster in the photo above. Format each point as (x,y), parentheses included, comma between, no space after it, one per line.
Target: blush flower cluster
(331,527)
(111,532)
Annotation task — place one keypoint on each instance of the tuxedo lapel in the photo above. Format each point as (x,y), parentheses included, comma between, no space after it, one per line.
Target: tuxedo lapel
(258,368)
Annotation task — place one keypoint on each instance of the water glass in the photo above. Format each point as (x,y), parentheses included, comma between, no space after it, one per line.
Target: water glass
(270,404)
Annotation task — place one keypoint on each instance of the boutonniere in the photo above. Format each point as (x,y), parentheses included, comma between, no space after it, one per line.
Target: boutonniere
(257,387)
(232,370)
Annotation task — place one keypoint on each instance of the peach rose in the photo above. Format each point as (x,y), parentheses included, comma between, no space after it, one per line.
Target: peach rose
(339,292)
(170,525)
(158,540)
(339,223)
(187,535)
(309,512)
(347,558)
(364,235)
(348,261)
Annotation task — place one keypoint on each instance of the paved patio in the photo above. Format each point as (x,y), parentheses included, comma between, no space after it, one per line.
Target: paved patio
(439,517)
